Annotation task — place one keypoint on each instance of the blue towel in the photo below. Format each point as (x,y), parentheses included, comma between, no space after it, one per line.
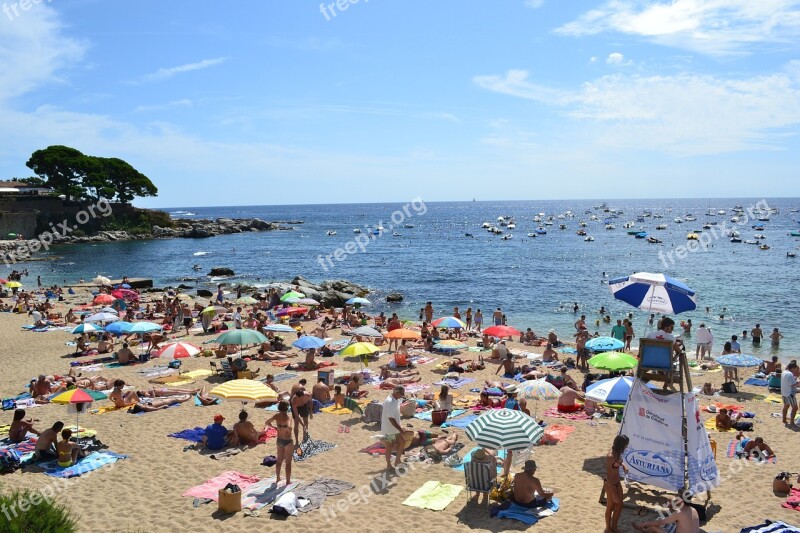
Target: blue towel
(193,435)
(757,382)
(317,406)
(455,383)
(426,415)
(91,462)
(468,457)
(460,422)
(525,515)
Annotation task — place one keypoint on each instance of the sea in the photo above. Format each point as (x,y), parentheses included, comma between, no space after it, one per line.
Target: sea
(440,252)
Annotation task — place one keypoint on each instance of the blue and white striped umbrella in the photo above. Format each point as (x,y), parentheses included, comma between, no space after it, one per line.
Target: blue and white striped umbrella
(505,429)
(86,327)
(739,359)
(614,390)
(604,344)
(654,293)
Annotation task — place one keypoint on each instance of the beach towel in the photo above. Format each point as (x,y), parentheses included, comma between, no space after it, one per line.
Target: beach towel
(728,406)
(199,403)
(793,501)
(413,388)
(455,383)
(210,489)
(426,415)
(319,489)
(107,409)
(460,422)
(284,376)
(736,449)
(167,380)
(422,360)
(553,412)
(91,462)
(310,447)
(711,425)
(92,368)
(378,447)
(179,383)
(269,433)
(192,435)
(433,495)
(336,410)
(555,434)
(757,382)
(501,454)
(156,371)
(771,527)
(529,516)
(194,374)
(355,405)
(23,451)
(773,399)
(4,430)
(265,492)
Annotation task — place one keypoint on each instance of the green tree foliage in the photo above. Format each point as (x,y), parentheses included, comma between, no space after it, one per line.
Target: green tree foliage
(80,176)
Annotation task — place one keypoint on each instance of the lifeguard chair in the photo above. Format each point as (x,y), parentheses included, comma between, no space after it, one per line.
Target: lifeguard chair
(658,363)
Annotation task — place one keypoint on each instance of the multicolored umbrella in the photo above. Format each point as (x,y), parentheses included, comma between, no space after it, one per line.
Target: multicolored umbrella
(501,331)
(505,429)
(292,294)
(448,322)
(289,311)
(604,344)
(178,350)
(307,342)
(244,390)
(403,333)
(613,361)
(86,327)
(79,397)
(538,389)
(654,293)
(104,299)
(614,390)
(739,360)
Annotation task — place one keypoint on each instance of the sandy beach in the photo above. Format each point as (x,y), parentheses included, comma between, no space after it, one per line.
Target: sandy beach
(144,491)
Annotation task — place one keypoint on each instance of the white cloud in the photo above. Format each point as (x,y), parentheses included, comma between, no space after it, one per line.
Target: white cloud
(182,103)
(615,58)
(534,4)
(593,59)
(167,73)
(714,27)
(682,114)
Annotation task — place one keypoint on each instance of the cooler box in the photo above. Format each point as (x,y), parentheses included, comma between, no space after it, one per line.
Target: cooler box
(326,376)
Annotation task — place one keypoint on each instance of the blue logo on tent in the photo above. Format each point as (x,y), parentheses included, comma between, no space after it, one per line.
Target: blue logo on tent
(649,463)
(708,470)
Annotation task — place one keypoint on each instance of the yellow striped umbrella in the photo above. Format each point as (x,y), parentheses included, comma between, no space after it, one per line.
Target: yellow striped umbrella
(245,390)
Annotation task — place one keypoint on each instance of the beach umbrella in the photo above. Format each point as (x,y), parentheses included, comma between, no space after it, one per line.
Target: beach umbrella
(501,331)
(448,322)
(538,389)
(604,344)
(104,299)
(449,345)
(292,294)
(739,360)
(359,349)
(3,281)
(292,311)
(280,328)
(13,284)
(109,310)
(118,294)
(144,327)
(306,301)
(246,300)
(614,390)
(216,309)
(79,397)
(366,331)
(307,342)
(613,361)
(101,280)
(505,428)
(178,350)
(654,293)
(357,300)
(241,337)
(403,333)
(102,317)
(86,327)
(244,390)
(119,327)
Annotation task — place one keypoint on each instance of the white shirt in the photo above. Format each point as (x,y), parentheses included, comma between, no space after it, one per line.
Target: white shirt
(662,336)
(446,404)
(237,320)
(788,382)
(391,409)
(736,347)
(37,317)
(704,336)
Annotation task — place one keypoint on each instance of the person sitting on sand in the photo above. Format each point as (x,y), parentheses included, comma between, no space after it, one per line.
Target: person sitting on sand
(549,354)
(511,401)
(120,398)
(270,382)
(769,367)
(500,351)
(709,389)
(310,362)
(244,433)
(685,519)
(42,388)
(82,343)
(568,401)
(45,448)
(68,452)
(338,397)
(754,447)
(125,355)
(321,392)
(507,366)
(216,435)
(353,387)
(158,405)
(552,338)
(528,490)
(106,344)
(20,427)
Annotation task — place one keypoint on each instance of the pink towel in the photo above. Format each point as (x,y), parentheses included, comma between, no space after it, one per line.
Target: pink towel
(210,489)
(793,501)
(555,413)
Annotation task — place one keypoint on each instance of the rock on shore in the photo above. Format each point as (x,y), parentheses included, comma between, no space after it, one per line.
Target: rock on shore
(331,293)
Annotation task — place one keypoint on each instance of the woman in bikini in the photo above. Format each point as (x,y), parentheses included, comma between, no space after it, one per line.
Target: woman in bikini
(613,484)
(68,452)
(282,422)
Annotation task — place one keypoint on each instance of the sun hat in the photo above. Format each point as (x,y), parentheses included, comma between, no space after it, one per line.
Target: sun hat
(511,389)
(530,465)
(479,454)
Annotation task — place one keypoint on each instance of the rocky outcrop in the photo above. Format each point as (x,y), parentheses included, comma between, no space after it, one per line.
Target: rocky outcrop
(204,293)
(221,271)
(330,293)
(394,297)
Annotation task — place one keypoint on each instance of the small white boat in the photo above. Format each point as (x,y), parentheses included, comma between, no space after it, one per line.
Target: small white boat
(532,235)
(735,220)
(610,226)
(588,238)
(395,234)
(582,224)
(507,237)
(758,237)
(357,230)
(750,242)
(330,233)
(486,225)
(661,226)
(678,220)
(721,212)
(690,218)
(511,225)
(791,254)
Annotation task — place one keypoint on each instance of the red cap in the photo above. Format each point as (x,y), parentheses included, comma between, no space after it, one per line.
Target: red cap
(218,418)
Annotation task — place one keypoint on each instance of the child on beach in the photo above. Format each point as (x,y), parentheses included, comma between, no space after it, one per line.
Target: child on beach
(338,397)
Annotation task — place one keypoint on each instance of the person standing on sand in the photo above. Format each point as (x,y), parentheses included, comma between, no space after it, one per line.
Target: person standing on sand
(220,295)
(390,427)
(498,317)
(283,424)
(429,312)
(789,391)
(468,318)
(704,341)
(479,320)
(456,313)
(302,408)
(629,333)
(613,484)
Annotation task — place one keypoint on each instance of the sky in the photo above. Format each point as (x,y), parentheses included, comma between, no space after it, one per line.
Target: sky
(296,102)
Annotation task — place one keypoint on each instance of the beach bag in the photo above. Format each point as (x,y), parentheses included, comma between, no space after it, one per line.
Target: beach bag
(729,388)
(230,499)
(9,404)
(781,483)
(9,461)
(439,416)
(744,426)
(269,461)
(503,490)
(174,364)
(408,409)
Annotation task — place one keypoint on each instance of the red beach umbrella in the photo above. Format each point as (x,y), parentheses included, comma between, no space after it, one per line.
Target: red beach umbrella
(292,311)
(501,331)
(104,299)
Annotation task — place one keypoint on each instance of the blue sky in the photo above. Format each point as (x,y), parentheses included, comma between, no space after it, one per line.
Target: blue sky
(273,102)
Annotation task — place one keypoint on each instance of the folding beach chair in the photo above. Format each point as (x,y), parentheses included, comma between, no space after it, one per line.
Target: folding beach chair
(479,478)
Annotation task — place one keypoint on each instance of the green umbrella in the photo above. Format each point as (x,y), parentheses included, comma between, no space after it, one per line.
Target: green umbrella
(613,361)
(292,294)
(241,337)
(247,300)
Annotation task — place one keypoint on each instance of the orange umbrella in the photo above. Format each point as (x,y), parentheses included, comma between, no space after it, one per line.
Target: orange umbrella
(103,299)
(402,333)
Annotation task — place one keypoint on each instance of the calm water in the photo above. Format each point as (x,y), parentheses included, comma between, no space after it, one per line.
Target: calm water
(530,279)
